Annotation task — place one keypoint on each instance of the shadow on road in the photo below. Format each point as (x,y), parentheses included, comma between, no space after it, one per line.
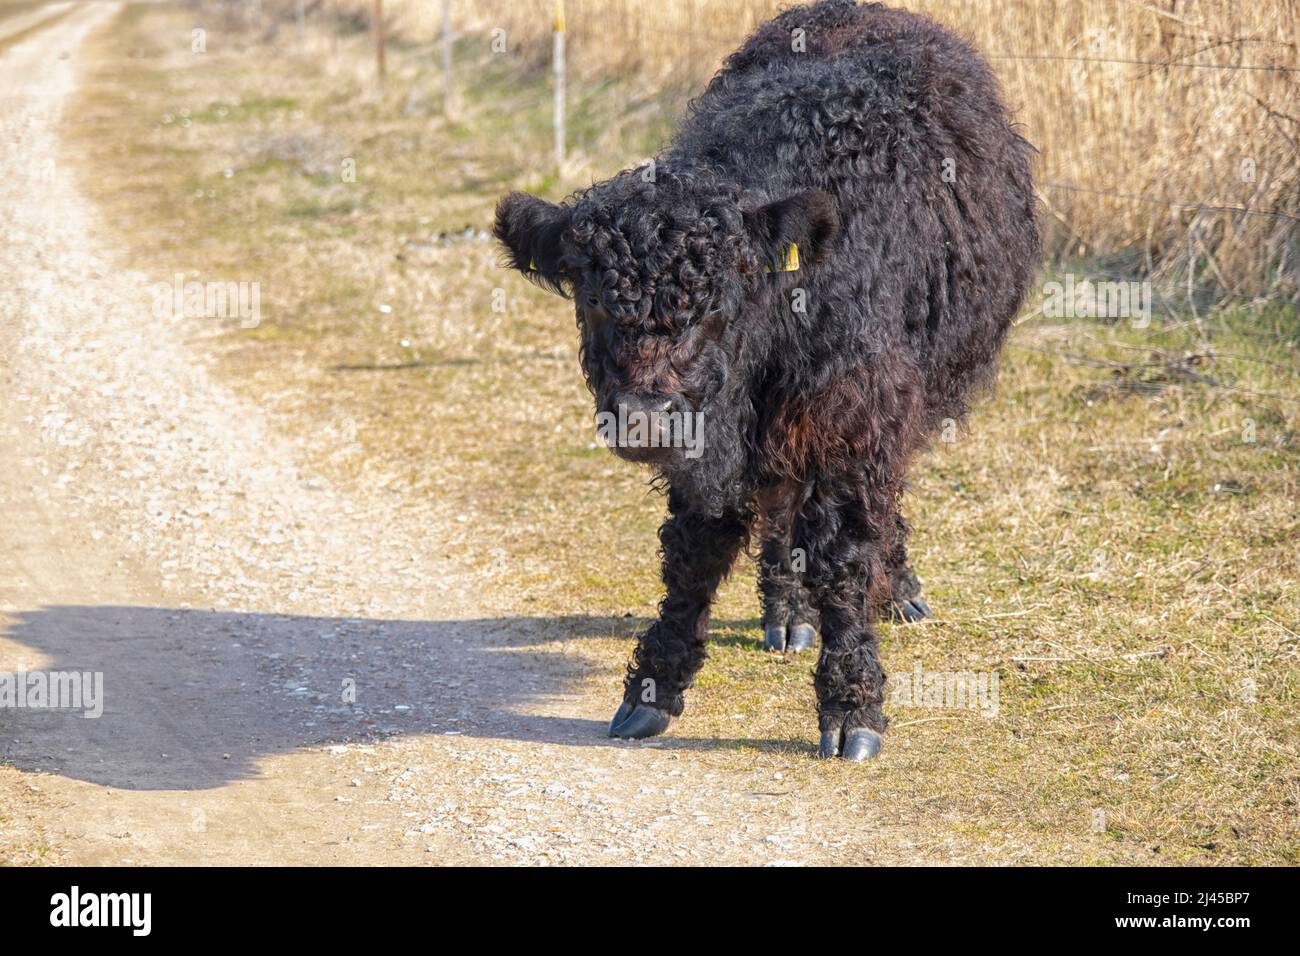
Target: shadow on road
(193,699)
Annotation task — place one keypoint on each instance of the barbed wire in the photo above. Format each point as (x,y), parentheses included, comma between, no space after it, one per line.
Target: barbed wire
(1171,284)
(698,36)
(727,42)
(1199,207)
(1252,67)
(1291,338)
(1204,347)
(1175,365)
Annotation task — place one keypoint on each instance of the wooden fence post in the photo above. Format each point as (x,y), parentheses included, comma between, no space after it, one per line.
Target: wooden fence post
(446,58)
(377,18)
(559,87)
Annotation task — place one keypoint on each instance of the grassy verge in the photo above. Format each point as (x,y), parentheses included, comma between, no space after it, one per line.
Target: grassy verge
(1114,536)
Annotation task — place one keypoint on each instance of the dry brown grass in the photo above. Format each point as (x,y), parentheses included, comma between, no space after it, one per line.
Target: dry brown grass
(1117,543)
(1216,134)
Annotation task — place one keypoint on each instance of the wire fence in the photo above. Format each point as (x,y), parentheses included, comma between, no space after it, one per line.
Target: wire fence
(1165,290)
(1180,204)
(1171,371)
(1160,64)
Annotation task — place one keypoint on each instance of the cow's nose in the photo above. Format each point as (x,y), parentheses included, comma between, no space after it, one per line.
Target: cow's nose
(643,404)
(647,427)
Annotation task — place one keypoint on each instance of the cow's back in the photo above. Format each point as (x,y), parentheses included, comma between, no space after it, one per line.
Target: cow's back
(902,122)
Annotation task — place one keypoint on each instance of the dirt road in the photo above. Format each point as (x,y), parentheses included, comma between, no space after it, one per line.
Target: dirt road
(290,673)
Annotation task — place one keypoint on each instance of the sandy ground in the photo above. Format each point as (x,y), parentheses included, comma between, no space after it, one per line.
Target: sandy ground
(154,529)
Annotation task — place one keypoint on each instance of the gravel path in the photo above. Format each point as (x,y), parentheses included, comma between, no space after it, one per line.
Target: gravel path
(13,25)
(290,675)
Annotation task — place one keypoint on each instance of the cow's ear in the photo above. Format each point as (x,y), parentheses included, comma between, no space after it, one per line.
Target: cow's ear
(794,232)
(529,230)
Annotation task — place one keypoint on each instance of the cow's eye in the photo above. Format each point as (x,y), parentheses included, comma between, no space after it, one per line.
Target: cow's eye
(593,300)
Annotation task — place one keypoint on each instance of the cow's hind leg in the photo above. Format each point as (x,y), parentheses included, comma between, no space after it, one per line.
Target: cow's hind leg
(789,620)
(905,602)
(698,551)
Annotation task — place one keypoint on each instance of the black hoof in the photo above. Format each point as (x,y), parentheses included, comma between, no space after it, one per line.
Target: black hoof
(861,743)
(803,637)
(830,745)
(634,721)
(910,611)
(774,638)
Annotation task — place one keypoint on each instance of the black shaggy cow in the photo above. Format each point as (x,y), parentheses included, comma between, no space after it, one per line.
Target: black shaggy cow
(818,270)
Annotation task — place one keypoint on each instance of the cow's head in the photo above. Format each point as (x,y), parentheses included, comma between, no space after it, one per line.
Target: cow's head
(662,268)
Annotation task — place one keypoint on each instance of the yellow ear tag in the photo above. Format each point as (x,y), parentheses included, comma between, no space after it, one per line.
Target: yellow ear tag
(532,266)
(791,261)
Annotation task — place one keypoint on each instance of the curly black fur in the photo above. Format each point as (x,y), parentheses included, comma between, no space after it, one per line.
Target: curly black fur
(882,149)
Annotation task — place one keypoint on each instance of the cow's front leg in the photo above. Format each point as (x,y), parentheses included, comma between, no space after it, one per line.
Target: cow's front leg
(846,544)
(697,552)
